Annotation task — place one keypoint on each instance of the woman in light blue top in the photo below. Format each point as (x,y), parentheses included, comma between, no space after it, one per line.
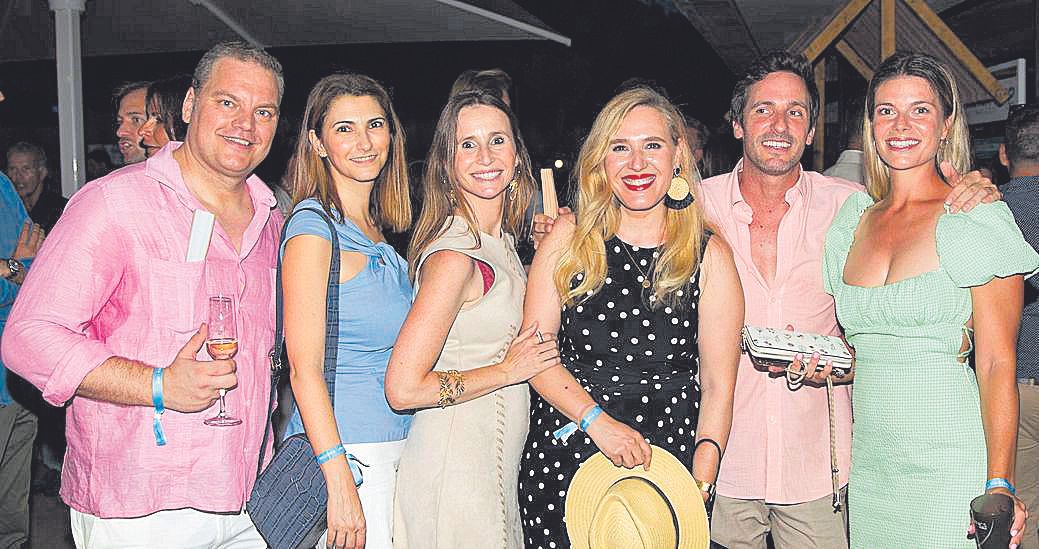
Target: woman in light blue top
(350,162)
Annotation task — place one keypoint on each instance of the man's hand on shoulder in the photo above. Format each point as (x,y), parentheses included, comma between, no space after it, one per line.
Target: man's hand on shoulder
(968,190)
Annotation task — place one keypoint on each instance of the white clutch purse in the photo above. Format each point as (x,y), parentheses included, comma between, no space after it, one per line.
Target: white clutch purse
(772,347)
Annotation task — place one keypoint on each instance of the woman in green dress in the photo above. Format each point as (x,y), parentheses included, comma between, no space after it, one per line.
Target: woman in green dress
(913,283)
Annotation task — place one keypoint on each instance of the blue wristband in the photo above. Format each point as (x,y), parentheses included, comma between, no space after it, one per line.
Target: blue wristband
(160,436)
(590,417)
(354,463)
(564,432)
(355,469)
(332,452)
(999,482)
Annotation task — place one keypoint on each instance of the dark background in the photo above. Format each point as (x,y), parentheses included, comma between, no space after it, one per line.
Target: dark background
(558,90)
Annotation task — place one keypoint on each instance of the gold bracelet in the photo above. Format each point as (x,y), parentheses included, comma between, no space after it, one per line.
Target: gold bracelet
(452,386)
(446,398)
(459,383)
(705,487)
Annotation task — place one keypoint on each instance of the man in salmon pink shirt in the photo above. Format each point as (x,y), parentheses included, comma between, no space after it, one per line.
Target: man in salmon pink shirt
(775,476)
(111,321)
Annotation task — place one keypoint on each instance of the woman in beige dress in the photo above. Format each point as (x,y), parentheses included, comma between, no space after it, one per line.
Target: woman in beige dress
(460,359)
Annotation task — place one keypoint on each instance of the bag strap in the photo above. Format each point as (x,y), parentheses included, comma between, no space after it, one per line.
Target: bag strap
(331,328)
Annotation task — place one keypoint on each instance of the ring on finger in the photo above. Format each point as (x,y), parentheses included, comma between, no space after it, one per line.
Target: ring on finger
(541,338)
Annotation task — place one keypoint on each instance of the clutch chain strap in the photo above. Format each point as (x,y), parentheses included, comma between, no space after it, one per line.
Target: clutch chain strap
(834,469)
(795,379)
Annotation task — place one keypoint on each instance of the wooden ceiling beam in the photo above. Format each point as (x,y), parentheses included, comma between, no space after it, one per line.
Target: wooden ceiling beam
(959,49)
(834,29)
(887,29)
(819,141)
(855,60)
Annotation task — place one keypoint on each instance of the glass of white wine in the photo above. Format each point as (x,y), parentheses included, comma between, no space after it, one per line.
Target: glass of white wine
(222,344)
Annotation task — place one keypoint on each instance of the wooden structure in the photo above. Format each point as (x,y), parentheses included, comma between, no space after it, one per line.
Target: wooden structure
(865,32)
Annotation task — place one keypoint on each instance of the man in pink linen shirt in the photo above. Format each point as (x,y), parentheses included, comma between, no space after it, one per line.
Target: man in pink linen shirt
(775,476)
(115,303)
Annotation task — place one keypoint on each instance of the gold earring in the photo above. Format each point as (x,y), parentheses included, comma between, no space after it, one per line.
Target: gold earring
(679,195)
(451,198)
(512,189)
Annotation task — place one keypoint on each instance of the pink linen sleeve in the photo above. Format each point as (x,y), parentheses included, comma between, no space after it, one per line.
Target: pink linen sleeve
(48,339)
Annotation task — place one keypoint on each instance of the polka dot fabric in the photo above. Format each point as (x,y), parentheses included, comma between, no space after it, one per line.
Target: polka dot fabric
(639,364)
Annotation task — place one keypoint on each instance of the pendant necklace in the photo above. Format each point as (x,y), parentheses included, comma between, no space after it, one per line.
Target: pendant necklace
(646,283)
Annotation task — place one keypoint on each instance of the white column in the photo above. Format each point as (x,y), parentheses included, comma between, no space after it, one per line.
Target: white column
(70,93)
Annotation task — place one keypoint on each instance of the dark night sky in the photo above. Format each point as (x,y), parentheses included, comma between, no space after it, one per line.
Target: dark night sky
(558,89)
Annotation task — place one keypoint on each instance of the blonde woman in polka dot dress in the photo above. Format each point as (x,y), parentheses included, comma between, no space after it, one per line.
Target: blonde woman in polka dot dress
(648,308)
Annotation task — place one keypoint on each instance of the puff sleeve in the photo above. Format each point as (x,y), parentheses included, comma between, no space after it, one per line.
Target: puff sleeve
(976,246)
(839,238)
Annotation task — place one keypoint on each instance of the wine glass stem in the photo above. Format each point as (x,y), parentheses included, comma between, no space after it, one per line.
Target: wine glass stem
(222,412)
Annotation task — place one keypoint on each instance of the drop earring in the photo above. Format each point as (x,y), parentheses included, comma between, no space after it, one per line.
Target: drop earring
(451,198)
(679,195)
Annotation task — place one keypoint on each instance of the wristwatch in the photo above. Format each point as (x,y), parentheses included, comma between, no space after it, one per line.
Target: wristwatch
(705,487)
(14,267)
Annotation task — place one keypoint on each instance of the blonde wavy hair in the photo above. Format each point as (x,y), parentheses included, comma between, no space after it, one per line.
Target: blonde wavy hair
(599,211)
(441,196)
(955,147)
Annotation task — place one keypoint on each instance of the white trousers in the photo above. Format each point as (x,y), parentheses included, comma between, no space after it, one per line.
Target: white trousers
(176,529)
(376,492)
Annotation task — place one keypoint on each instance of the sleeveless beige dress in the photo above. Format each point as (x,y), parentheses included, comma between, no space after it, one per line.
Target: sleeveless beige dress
(458,475)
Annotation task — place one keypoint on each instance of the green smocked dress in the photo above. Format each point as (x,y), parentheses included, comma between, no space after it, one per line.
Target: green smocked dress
(918,446)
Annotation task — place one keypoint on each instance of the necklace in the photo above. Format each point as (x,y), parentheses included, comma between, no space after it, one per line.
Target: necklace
(646,283)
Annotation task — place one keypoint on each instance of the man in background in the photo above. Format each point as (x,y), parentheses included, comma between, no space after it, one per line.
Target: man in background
(849,163)
(1020,154)
(27,167)
(19,240)
(131,114)
(697,134)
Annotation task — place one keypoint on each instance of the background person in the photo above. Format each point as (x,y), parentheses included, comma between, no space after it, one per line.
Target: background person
(493,81)
(164,101)
(27,167)
(1020,154)
(129,103)
(19,241)
(98,164)
(698,135)
(849,164)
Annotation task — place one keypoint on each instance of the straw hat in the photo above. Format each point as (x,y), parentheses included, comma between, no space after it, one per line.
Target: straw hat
(611,507)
